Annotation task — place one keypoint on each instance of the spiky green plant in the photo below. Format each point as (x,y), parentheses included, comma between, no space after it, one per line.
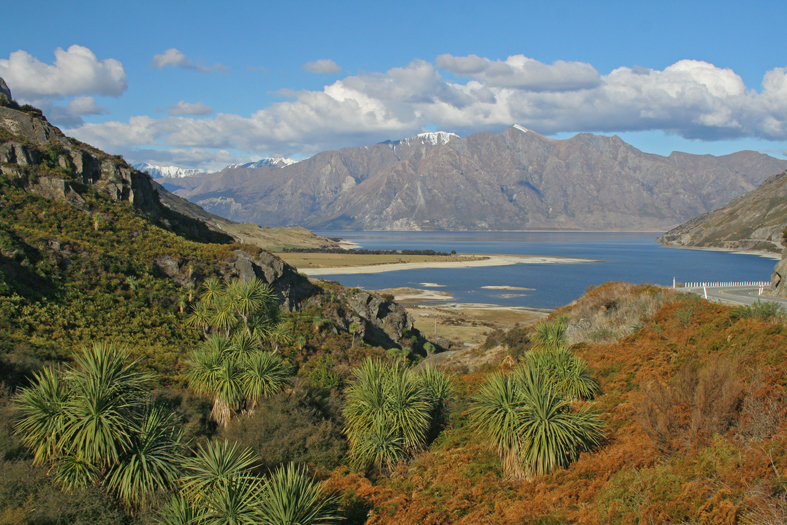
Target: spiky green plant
(179,511)
(237,503)
(567,374)
(218,487)
(388,412)
(498,411)
(381,447)
(551,435)
(91,424)
(531,426)
(264,375)
(290,496)
(231,366)
(438,388)
(235,374)
(549,334)
(43,415)
(149,465)
(106,388)
(214,466)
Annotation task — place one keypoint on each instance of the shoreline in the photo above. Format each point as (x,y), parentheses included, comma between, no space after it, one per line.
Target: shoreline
(767,255)
(491,260)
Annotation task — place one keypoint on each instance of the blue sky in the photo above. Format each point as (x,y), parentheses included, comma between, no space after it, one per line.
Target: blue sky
(199,84)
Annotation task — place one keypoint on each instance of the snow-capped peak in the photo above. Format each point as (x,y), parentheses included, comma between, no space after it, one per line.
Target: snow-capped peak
(433,137)
(268,161)
(521,128)
(161,172)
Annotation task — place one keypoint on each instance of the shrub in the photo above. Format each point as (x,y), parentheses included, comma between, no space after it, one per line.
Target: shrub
(765,311)
(300,425)
(693,406)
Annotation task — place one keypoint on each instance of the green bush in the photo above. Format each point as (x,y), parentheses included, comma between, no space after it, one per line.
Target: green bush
(764,311)
(300,425)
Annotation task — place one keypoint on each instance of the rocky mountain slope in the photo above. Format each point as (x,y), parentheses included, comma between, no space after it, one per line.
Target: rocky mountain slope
(88,193)
(517,179)
(40,158)
(753,221)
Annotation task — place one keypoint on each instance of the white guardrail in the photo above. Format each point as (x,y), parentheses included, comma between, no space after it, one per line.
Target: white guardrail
(755,284)
(762,285)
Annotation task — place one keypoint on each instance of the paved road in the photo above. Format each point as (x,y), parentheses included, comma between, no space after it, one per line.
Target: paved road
(737,295)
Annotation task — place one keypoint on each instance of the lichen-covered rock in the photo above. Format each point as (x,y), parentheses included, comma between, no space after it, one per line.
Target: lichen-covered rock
(383,321)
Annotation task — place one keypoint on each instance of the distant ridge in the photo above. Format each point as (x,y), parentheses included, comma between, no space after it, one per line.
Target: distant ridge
(279,162)
(514,180)
(158,172)
(753,221)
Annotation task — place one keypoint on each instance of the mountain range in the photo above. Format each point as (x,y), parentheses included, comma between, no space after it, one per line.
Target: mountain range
(174,172)
(515,180)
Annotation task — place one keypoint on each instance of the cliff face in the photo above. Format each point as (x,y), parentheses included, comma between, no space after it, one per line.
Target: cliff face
(514,180)
(753,221)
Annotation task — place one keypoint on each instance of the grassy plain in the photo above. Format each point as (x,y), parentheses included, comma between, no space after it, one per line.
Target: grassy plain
(341,260)
(279,238)
(469,325)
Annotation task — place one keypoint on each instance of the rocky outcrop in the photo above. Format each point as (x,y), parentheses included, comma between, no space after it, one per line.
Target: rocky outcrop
(379,321)
(5,92)
(515,180)
(291,288)
(779,278)
(753,221)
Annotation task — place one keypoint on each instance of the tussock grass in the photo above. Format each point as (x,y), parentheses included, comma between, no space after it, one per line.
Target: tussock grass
(613,310)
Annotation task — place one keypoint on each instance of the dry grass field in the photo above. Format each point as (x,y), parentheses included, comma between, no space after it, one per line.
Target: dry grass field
(340,260)
(279,238)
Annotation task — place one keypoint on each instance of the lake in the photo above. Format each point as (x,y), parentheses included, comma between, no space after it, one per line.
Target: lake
(629,257)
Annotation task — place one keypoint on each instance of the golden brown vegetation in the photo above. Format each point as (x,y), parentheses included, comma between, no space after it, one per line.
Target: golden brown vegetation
(694,404)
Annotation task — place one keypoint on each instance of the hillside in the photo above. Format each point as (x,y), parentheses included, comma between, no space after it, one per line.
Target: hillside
(753,221)
(693,400)
(515,180)
(78,225)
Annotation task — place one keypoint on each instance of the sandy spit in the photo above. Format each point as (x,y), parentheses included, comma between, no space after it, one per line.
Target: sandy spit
(492,260)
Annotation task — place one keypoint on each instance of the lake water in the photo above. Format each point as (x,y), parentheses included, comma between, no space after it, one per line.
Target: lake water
(629,257)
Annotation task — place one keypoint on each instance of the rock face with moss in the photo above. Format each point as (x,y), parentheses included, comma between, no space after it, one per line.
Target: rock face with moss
(753,221)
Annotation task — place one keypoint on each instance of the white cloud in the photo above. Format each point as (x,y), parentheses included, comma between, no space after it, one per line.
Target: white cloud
(690,98)
(186,108)
(323,66)
(175,58)
(70,115)
(521,72)
(170,57)
(76,71)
